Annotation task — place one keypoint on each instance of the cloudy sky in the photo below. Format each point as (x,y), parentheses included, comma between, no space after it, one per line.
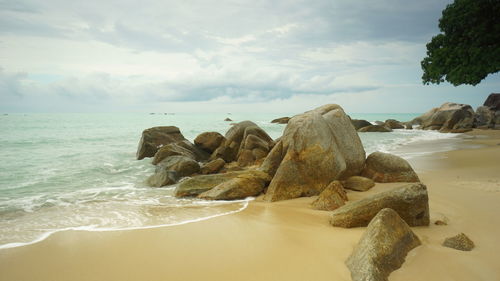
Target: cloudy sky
(221,55)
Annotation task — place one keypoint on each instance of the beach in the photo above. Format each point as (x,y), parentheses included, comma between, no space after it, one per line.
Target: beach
(288,240)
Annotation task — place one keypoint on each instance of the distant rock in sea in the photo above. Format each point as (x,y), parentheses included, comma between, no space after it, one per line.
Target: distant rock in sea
(282,120)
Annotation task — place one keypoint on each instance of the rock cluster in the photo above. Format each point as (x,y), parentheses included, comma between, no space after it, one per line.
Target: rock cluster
(449,117)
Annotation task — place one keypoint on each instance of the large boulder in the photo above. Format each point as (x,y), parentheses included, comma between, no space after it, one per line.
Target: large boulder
(162,177)
(385,167)
(448,117)
(281,120)
(253,147)
(331,198)
(359,123)
(194,186)
(411,202)
(235,140)
(393,124)
(488,115)
(358,183)
(317,147)
(382,248)
(171,168)
(154,138)
(209,141)
(375,128)
(242,186)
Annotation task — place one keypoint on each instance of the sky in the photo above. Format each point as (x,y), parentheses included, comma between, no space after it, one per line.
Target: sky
(221,56)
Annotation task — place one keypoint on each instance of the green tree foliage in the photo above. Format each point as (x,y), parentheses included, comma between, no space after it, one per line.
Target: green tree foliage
(468,49)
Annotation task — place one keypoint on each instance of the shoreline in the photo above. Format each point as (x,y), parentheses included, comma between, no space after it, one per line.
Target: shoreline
(266,240)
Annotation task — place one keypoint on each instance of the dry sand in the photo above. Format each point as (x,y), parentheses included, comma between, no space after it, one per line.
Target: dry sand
(288,240)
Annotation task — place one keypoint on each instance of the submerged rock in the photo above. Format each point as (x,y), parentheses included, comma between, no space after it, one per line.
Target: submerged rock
(411,202)
(459,242)
(331,198)
(316,148)
(244,185)
(358,183)
(154,138)
(382,248)
(375,128)
(385,167)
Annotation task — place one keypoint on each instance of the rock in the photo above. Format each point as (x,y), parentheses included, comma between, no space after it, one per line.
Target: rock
(408,126)
(380,123)
(458,131)
(375,128)
(253,147)
(162,177)
(382,248)
(228,119)
(213,166)
(242,186)
(393,124)
(282,120)
(154,138)
(199,154)
(440,222)
(459,242)
(385,167)
(449,116)
(182,165)
(493,101)
(331,198)
(171,150)
(237,134)
(409,201)
(358,124)
(484,117)
(209,141)
(199,184)
(317,147)
(358,183)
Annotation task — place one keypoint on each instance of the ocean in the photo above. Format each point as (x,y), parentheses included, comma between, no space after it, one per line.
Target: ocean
(78,171)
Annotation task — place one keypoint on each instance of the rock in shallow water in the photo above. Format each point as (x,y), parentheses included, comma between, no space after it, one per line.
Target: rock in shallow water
(411,202)
(154,138)
(385,167)
(382,248)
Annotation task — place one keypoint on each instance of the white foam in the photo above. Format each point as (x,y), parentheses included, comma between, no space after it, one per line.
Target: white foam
(47,234)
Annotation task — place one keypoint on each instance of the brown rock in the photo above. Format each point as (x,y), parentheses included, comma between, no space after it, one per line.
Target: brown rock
(358,124)
(228,119)
(154,138)
(316,148)
(382,248)
(247,184)
(393,124)
(459,242)
(408,126)
(209,141)
(409,201)
(282,120)
(331,198)
(440,222)
(182,165)
(162,177)
(358,183)
(199,184)
(375,128)
(493,101)
(171,150)
(385,167)
(213,166)
(448,116)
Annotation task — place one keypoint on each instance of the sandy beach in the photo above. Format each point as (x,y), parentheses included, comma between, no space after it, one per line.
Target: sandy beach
(288,240)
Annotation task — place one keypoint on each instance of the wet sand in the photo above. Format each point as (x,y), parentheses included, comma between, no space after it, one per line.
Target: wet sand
(288,240)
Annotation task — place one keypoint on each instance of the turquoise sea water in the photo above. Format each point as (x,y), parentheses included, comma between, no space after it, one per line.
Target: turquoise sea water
(78,171)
